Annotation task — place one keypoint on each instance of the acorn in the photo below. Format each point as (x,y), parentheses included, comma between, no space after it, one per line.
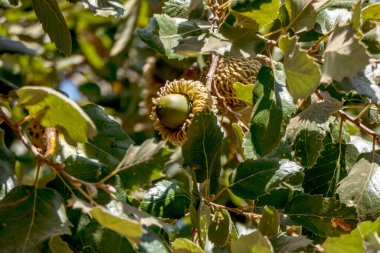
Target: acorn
(175,107)
(173,110)
(231,70)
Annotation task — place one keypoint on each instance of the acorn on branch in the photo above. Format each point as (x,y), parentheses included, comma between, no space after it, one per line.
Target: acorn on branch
(175,107)
(229,71)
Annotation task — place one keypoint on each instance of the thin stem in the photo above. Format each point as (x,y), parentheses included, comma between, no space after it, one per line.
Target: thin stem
(238,210)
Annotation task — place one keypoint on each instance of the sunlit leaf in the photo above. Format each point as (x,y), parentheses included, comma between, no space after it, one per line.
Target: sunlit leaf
(371,12)
(183,245)
(253,242)
(360,189)
(301,72)
(54,109)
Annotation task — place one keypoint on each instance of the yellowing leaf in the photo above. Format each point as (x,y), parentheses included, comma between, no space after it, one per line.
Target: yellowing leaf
(53,109)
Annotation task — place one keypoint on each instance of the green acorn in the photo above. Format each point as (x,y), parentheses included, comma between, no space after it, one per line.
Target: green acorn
(174,108)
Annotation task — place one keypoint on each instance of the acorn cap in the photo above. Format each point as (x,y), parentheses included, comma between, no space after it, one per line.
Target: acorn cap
(174,127)
(231,70)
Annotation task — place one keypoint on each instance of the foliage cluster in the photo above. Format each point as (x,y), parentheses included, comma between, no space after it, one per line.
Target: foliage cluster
(82,170)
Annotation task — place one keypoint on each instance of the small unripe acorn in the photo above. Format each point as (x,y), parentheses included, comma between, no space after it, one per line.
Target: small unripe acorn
(173,110)
(175,107)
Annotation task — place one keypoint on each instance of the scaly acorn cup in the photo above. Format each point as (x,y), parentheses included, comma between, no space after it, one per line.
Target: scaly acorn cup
(175,107)
(231,70)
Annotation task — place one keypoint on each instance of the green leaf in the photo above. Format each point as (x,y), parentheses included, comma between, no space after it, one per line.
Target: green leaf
(53,109)
(167,199)
(111,142)
(359,240)
(143,164)
(372,40)
(164,33)
(285,244)
(363,83)
(183,245)
(360,189)
(57,245)
(54,24)
(344,55)
(262,12)
(308,129)
(278,197)
(331,166)
(254,178)
(152,243)
(204,219)
(371,12)
(14,47)
(244,92)
(302,73)
(28,217)
(125,226)
(202,151)
(303,13)
(104,8)
(253,242)
(8,179)
(248,148)
(219,229)
(274,108)
(317,214)
(269,224)
(180,8)
(328,18)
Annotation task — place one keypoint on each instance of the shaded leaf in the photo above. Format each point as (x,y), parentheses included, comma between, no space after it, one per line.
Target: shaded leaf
(254,178)
(253,242)
(8,179)
(180,8)
(274,108)
(110,143)
(344,55)
(152,243)
(329,17)
(262,12)
(104,8)
(364,83)
(285,244)
(53,109)
(269,224)
(278,197)
(57,245)
(167,199)
(302,73)
(17,215)
(308,129)
(360,189)
(14,47)
(164,33)
(219,229)
(317,213)
(202,151)
(125,226)
(303,13)
(53,23)
(332,165)
(183,245)
(143,164)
